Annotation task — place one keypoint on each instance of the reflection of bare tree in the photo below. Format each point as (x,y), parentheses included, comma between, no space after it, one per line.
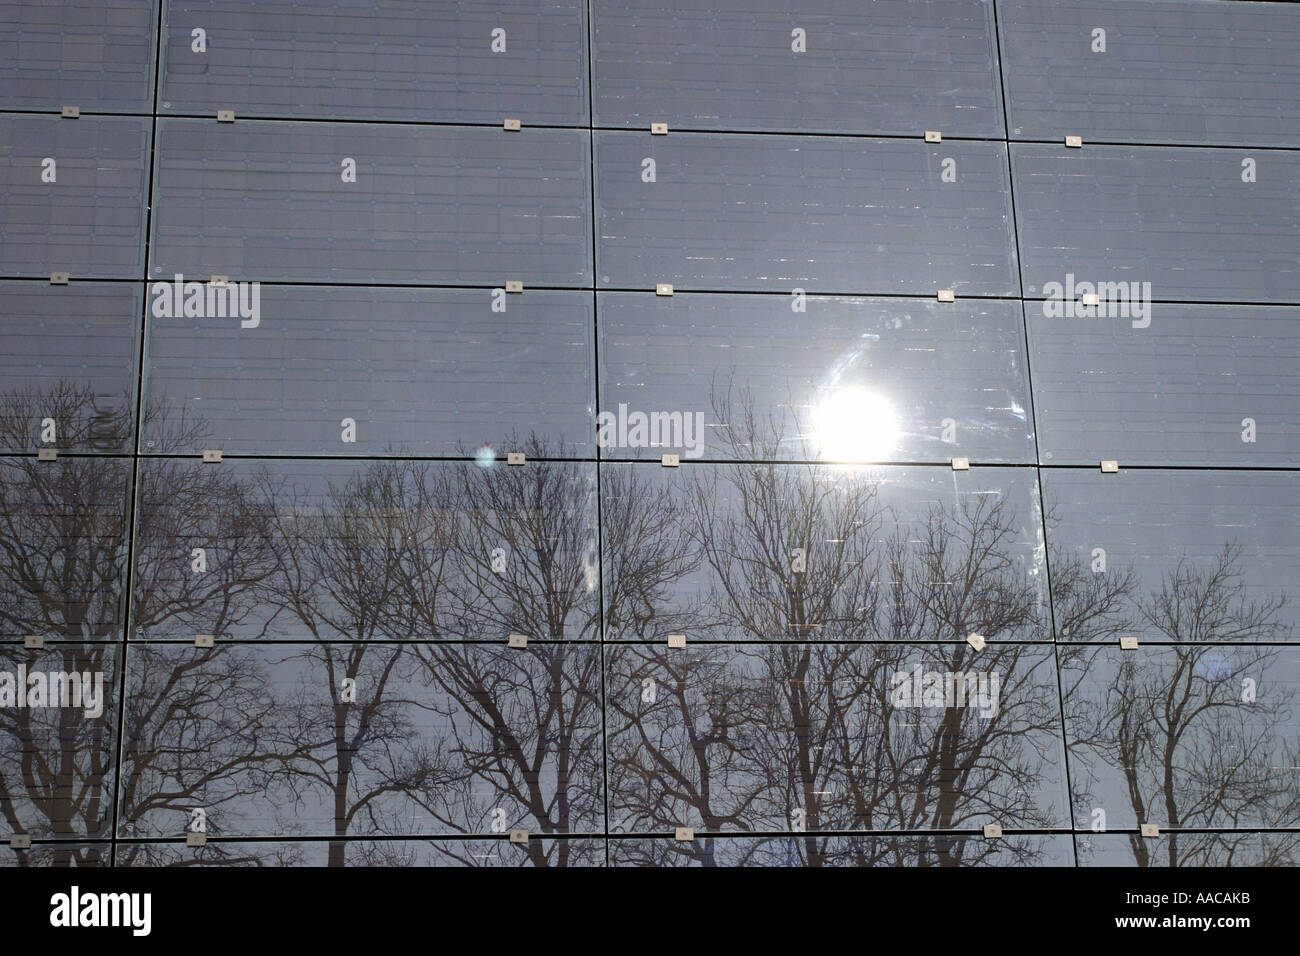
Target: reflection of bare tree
(200,732)
(192,734)
(403,711)
(524,732)
(526,549)
(1193,729)
(199,726)
(80,419)
(681,750)
(344,564)
(62,572)
(526,722)
(796,730)
(842,851)
(56,762)
(62,547)
(404,551)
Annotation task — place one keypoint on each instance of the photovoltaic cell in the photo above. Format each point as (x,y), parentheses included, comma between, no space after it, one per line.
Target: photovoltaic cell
(832,214)
(475,63)
(896,67)
(269,201)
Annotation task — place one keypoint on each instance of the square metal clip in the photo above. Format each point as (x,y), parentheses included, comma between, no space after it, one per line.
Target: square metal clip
(514,285)
(33,642)
(219,282)
(671,461)
(976,641)
(20,841)
(1109,466)
(658,129)
(211,455)
(684,834)
(1150,830)
(993,831)
(933,136)
(225,116)
(204,640)
(59,278)
(516,458)
(196,839)
(1091,298)
(677,641)
(513,125)
(517,640)
(1128,643)
(947,295)
(518,836)
(961,464)
(71,112)
(663,288)
(1074,142)
(47,454)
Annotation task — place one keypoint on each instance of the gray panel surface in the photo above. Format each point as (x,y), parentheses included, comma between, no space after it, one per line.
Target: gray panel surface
(1201,385)
(894,67)
(839,379)
(90,220)
(70,355)
(1218,74)
(1188,555)
(1181,219)
(1186,737)
(449,204)
(426,62)
(834,214)
(428,372)
(776,552)
(93,55)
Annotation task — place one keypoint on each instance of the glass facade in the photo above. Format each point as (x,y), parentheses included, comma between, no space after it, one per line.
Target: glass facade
(436,461)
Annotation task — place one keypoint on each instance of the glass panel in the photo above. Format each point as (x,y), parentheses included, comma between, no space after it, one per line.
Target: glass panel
(461,205)
(73,196)
(1201,385)
(93,55)
(770,552)
(1184,736)
(58,745)
(904,67)
(1213,73)
(69,371)
(445,738)
(814,737)
(832,214)
(385,550)
(1156,224)
(821,850)
(57,854)
(1190,849)
(498,852)
(1174,555)
(350,371)
(407,61)
(815,377)
(63,547)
